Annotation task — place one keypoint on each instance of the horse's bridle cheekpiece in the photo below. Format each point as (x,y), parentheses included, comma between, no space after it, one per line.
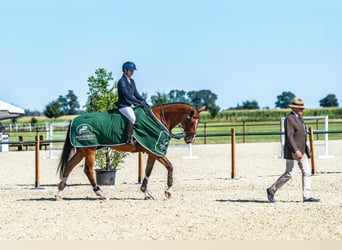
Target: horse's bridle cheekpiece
(189,116)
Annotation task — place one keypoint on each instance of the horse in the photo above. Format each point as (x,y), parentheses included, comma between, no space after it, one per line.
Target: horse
(170,114)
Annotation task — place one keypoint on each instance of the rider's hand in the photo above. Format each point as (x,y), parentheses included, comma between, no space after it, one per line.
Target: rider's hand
(144,103)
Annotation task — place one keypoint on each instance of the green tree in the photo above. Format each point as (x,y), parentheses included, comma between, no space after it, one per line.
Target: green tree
(329,101)
(74,105)
(247,105)
(102,95)
(284,99)
(34,120)
(69,103)
(197,98)
(53,110)
(177,96)
(213,110)
(250,105)
(32,113)
(204,97)
(159,98)
(63,104)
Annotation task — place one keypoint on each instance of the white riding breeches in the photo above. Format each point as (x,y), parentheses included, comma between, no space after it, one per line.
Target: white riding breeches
(128,112)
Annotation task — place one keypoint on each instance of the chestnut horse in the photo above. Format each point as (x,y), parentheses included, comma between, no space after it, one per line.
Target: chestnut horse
(170,115)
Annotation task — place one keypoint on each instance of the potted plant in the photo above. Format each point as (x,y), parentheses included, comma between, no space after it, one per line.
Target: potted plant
(107,162)
(102,96)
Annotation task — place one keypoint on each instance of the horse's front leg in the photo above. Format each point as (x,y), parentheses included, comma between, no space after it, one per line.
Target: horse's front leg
(169,168)
(90,173)
(148,171)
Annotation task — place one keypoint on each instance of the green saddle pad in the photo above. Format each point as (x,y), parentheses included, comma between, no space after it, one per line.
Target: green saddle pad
(108,128)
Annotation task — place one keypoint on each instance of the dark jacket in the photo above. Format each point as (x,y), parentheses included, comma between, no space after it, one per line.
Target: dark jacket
(128,94)
(295,137)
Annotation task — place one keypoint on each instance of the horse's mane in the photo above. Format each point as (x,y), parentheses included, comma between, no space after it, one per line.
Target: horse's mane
(171,103)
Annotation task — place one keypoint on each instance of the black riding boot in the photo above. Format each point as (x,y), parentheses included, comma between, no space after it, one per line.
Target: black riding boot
(129,131)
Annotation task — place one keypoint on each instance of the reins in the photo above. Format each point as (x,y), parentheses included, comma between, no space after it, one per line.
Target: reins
(163,115)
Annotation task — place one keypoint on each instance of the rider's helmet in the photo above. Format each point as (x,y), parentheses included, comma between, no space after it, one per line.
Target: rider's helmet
(128,66)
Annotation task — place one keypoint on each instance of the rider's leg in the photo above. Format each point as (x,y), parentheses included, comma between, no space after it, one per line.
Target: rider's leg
(128,112)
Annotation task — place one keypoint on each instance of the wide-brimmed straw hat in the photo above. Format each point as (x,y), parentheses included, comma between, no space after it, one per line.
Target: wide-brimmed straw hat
(297,103)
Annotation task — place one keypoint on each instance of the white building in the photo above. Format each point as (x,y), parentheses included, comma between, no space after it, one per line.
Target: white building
(8,111)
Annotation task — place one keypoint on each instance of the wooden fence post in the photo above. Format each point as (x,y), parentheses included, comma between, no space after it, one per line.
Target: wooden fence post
(313,163)
(140,167)
(244,131)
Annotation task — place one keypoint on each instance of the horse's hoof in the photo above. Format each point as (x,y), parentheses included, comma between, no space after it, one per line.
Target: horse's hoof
(100,194)
(167,194)
(58,197)
(148,196)
(61,186)
(104,198)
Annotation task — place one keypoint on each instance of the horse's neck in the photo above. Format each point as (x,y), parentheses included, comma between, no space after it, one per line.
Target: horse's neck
(171,116)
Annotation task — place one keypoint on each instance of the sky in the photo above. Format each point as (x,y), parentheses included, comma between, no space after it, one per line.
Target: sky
(240,50)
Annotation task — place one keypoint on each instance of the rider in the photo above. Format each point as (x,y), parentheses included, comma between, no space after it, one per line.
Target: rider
(128,97)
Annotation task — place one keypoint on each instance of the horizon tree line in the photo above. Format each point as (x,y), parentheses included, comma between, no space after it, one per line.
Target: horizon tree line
(102,84)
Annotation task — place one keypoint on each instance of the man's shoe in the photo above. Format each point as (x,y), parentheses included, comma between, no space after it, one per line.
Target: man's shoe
(311,199)
(270,196)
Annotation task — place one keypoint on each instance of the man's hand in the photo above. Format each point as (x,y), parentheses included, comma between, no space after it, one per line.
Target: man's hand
(299,154)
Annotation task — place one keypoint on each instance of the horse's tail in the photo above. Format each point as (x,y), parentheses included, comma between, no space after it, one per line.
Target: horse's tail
(67,148)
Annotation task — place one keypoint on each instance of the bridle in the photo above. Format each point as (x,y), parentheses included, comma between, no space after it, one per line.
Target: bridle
(187,130)
(189,117)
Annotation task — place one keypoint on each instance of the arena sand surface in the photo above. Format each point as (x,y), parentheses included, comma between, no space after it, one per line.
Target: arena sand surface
(206,203)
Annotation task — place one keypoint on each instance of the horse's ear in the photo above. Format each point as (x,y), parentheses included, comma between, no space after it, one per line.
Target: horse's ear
(202,108)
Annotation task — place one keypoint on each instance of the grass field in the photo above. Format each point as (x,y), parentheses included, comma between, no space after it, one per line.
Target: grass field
(216,129)
(212,133)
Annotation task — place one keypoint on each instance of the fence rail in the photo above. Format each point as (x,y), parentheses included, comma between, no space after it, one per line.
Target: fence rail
(248,129)
(32,127)
(197,135)
(266,133)
(37,144)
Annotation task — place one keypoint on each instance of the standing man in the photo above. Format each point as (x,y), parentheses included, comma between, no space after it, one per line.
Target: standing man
(128,97)
(295,151)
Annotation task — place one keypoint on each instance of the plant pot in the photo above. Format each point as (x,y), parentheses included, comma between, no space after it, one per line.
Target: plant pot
(105,177)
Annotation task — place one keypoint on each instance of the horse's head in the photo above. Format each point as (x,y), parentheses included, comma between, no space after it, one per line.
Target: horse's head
(190,122)
(173,114)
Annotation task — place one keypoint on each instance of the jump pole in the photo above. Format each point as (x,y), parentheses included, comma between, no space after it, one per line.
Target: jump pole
(313,163)
(190,156)
(233,170)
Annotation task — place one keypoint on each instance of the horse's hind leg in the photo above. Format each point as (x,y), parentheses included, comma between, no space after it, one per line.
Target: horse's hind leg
(71,164)
(148,171)
(89,171)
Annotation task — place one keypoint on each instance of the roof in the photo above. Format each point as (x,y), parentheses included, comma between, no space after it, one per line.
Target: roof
(8,111)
